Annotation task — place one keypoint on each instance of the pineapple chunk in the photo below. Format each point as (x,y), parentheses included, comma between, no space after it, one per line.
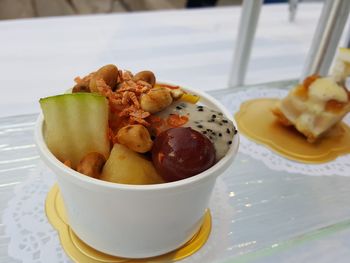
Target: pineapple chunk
(125,166)
(190,98)
(76,124)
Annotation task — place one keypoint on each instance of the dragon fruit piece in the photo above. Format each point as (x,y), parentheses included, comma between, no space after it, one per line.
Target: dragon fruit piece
(209,122)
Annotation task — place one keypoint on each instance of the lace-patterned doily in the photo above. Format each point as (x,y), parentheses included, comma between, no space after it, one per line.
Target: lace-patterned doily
(34,240)
(339,166)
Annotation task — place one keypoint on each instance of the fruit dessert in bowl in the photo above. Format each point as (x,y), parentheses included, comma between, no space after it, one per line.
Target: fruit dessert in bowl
(136,160)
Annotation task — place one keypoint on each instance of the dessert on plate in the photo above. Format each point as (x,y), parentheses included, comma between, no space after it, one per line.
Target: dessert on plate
(315,106)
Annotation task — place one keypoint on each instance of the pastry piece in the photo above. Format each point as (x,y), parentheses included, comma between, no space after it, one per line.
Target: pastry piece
(314,106)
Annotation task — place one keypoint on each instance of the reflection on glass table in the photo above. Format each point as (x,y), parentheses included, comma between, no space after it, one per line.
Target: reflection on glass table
(277,216)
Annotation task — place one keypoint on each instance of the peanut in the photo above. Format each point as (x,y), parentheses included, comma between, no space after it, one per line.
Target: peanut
(108,73)
(176,93)
(147,76)
(136,137)
(81,87)
(157,99)
(91,164)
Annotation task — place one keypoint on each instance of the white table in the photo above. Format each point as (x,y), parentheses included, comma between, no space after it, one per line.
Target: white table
(260,214)
(40,57)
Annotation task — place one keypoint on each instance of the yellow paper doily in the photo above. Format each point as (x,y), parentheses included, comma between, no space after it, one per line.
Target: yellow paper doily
(81,252)
(256,121)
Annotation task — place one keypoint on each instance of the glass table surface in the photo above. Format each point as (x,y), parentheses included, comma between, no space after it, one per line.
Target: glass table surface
(277,216)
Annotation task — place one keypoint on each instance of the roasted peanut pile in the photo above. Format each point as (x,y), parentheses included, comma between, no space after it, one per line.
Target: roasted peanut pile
(132,100)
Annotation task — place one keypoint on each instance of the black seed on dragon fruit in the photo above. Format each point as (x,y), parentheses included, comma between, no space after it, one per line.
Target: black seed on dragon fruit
(209,122)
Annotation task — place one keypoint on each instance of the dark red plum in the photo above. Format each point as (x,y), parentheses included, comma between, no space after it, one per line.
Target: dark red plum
(180,153)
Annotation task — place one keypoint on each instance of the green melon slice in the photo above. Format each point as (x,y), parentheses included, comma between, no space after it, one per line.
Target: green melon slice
(76,124)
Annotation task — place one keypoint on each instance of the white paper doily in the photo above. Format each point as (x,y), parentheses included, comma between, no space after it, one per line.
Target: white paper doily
(34,240)
(339,166)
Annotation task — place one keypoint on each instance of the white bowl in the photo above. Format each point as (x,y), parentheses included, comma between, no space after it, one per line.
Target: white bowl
(136,221)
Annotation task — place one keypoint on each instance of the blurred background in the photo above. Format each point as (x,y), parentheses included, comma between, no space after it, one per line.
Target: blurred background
(45,44)
(11,9)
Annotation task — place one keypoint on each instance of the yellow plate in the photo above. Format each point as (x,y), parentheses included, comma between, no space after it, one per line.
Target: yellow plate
(81,252)
(256,121)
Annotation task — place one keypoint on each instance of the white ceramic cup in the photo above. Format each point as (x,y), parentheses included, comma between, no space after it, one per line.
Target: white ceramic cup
(136,221)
